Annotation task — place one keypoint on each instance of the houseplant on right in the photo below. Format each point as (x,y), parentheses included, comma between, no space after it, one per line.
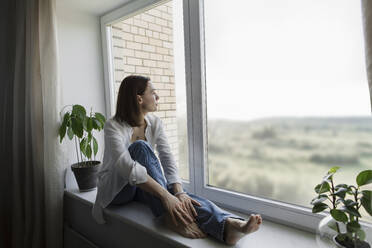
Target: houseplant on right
(344,202)
(80,126)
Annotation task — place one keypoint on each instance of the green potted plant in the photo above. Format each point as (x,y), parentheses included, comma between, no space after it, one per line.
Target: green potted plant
(345,202)
(80,126)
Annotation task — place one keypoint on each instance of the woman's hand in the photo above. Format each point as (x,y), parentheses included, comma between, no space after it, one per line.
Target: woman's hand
(176,209)
(189,203)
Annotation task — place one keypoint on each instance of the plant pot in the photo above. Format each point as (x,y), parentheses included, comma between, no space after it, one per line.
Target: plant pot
(350,244)
(86,174)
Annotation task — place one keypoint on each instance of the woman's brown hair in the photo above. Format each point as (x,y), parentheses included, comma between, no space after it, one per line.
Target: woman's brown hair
(127,107)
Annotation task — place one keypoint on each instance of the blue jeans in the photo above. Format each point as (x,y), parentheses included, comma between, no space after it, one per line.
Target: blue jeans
(210,219)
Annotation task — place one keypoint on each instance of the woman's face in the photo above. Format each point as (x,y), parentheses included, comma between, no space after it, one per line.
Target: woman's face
(148,101)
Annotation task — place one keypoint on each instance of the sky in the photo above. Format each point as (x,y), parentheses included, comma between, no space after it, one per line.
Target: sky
(269,58)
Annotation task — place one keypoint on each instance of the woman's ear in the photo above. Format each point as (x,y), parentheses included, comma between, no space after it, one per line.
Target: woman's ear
(139,99)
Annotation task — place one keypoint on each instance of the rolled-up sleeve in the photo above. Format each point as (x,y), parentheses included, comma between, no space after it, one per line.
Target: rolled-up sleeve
(166,157)
(130,170)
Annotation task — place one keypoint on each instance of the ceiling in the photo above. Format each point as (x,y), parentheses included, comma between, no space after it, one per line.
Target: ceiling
(95,7)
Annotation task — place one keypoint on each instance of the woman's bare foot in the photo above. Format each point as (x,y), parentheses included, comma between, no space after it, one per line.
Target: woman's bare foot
(190,231)
(235,229)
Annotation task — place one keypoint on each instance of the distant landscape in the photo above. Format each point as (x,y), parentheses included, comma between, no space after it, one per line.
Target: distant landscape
(284,158)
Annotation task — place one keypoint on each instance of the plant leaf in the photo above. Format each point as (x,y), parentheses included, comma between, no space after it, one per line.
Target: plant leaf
(353,226)
(341,192)
(62,132)
(97,124)
(83,146)
(95,146)
(77,127)
(90,137)
(85,124)
(351,210)
(100,118)
(319,207)
(332,225)
(364,177)
(79,111)
(88,151)
(319,199)
(361,234)
(341,186)
(330,173)
(333,169)
(70,133)
(350,203)
(89,124)
(366,201)
(338,215)
(322,188)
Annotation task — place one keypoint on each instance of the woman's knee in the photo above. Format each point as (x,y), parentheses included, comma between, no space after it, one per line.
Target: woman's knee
(139,148)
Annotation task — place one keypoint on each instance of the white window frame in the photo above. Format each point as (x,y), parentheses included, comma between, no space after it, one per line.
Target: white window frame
(280,212)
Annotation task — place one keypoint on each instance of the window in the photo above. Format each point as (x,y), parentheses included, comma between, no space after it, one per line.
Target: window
(275,90)
(287,96)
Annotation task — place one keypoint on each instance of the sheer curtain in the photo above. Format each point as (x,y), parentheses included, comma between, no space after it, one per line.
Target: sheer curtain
(367,25)
(32,174)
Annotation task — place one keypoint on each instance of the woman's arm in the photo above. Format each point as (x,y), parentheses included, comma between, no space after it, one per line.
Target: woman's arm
(117,148)
(187,201)
(171,203)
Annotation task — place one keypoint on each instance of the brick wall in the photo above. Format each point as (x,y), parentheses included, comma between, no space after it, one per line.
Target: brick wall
(143,44)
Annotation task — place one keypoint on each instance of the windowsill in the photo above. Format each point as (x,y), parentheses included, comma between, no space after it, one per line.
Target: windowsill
(269,235)
(139,217)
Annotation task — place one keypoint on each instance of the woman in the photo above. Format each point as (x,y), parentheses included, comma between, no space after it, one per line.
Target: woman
(131,171)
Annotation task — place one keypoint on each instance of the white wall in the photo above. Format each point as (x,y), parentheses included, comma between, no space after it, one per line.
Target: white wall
(80,63)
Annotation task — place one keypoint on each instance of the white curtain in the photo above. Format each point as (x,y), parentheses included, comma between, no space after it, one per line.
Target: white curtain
(31,206)
(367,25)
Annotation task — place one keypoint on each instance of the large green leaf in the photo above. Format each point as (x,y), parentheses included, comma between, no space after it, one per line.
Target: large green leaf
(319,207)
(77,127)
(351,210)
(322,188)
(341,192)
(89,124)
(100,118)
(97,124)
(83,146)
(319,199)
(366,201)
(88,151)
(353,226)
(95,146)
(63,127)
(79,111)
(339,215)
(364,177)
(62,132)
(90,136)
(342,185)
(70,133)
(350,203)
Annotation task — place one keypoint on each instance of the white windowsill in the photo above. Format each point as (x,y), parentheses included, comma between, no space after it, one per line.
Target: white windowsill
(269,235)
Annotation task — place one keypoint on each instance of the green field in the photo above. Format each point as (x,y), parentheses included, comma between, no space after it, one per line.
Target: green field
(284,158)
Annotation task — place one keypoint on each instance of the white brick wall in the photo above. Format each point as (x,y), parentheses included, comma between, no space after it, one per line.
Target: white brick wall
(143,44)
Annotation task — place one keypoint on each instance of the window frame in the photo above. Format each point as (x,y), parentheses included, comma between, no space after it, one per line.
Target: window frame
(193,19)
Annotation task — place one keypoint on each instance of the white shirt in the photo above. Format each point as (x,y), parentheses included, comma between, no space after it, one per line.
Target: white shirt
(118,168)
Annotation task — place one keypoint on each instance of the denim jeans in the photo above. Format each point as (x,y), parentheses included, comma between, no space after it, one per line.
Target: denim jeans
(210,219)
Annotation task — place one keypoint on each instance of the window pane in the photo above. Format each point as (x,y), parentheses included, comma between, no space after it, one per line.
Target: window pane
(287,96)
(150,43)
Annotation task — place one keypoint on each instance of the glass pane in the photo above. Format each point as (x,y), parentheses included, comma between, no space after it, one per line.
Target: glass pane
(287,96)
(151,44)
